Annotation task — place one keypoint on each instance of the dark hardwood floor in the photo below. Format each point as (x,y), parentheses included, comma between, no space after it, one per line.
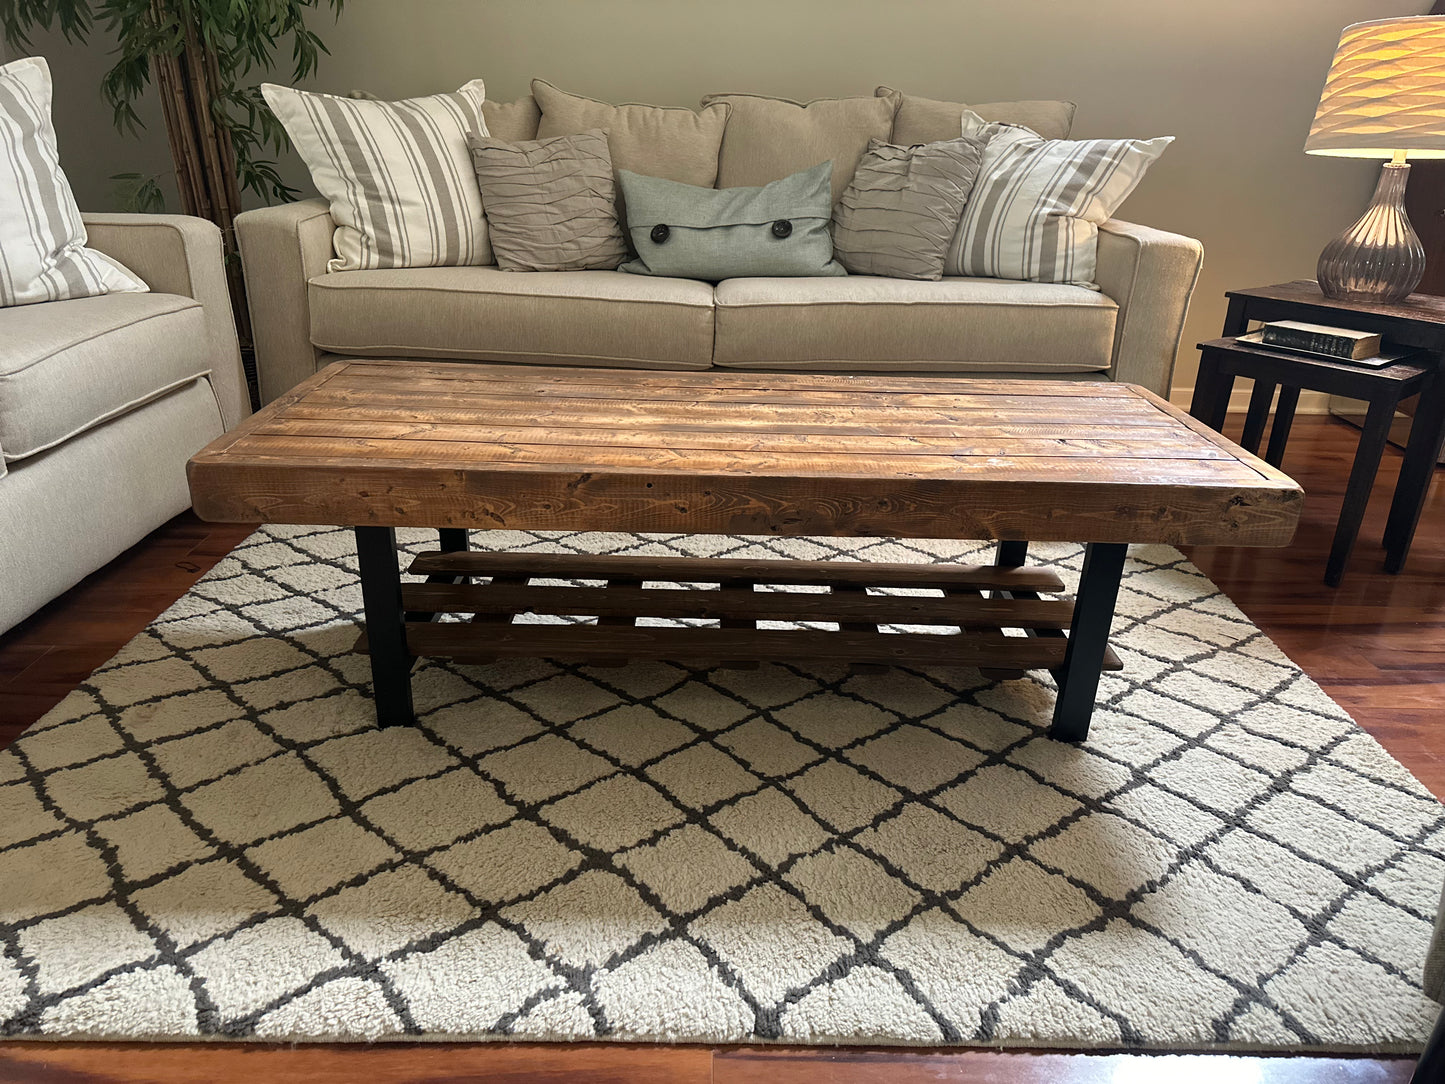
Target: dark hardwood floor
(1376,644)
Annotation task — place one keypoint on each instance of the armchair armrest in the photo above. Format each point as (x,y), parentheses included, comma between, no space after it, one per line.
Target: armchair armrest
(281,248)
(1151,275)
(178,254)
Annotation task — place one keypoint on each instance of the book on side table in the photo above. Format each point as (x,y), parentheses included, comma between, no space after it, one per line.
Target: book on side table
(1377,360)
(1337,342)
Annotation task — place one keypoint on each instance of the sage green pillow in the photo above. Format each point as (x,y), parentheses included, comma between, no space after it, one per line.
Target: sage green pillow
(776,230)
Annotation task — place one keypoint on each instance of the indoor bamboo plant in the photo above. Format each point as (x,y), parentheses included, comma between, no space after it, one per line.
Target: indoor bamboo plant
(200,55)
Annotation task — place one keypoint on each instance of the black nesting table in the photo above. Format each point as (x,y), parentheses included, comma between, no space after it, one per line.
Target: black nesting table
(1417,323)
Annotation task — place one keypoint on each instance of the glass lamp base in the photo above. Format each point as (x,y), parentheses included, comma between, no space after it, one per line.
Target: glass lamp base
(1379,258)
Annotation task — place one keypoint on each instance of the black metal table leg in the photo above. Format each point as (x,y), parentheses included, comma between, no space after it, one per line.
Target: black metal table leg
(1427,433)
(1078,678)
(1283,422)
(1430,1069)
(453,539)
(385,626)
(1362,480)
(1012,553)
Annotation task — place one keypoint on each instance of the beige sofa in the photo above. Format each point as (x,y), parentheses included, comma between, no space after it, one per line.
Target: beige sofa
(303,316)
(1129,330)
(103,400)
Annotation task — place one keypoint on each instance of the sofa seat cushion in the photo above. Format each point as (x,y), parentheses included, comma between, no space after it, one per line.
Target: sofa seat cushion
(66,366)
(956,325)
(541,317)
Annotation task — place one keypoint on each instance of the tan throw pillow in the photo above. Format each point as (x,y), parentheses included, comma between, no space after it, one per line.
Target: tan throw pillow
(514,121)
(660,141)
(550,202)
(771,138)
(899,214)
(924,120)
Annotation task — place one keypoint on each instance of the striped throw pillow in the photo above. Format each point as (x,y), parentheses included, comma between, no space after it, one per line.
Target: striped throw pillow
(42,239)
(398,174)
(1035,209)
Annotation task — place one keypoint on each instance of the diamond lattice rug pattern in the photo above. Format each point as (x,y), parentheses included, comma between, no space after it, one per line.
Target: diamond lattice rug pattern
(210,837)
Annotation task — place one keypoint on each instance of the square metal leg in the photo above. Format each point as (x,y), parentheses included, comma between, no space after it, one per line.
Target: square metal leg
(1078,678)
(385,626)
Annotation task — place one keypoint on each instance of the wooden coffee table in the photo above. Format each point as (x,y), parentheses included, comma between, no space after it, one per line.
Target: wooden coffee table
(377,445)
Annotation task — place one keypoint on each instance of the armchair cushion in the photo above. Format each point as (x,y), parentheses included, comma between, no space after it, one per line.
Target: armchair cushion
(67,366)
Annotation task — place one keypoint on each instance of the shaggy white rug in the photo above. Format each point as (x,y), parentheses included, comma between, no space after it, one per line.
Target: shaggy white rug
(211,838)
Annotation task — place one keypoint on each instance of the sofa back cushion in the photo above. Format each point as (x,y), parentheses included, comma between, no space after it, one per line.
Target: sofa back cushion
(661,141)
(768,139)
(926,120)
(398,175)
(514,121)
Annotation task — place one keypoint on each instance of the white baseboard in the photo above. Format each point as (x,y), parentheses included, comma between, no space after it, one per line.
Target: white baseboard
(1310,402)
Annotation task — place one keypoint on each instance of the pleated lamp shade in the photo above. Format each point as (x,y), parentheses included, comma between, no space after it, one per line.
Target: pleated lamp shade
(1385,92)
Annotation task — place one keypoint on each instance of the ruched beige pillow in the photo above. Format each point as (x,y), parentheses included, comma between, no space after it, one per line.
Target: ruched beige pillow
(550,203)
(902,207)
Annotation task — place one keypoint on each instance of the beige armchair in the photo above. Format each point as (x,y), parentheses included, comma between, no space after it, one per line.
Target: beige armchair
(102,401)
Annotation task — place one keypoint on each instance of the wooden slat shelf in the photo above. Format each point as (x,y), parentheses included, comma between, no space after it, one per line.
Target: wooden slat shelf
(736,604)
(621,601)
(713,570)
(588,643)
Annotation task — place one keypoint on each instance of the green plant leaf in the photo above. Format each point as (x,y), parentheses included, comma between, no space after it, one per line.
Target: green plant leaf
(243,36)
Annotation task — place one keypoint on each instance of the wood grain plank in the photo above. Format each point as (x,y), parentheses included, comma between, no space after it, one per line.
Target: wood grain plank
(623,601)
(779,419)
(491,372)
(361,452)
(731,569)
(466,642)
(1150,443)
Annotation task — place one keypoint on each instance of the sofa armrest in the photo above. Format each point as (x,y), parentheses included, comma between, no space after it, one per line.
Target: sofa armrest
(1151,275)
(281,248)
(178,254)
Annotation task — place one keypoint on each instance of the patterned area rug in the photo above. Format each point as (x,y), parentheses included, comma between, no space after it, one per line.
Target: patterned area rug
(211,838)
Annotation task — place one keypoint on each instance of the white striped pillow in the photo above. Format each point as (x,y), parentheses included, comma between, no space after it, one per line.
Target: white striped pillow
(1035,209)
(398,174)
(42,239)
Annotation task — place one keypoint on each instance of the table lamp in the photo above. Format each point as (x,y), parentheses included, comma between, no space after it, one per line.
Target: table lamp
(1384,98)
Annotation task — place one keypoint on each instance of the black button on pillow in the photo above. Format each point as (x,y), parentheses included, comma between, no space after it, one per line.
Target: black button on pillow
(660,233)
(782,228)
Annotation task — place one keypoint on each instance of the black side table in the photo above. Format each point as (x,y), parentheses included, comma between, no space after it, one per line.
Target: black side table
(1416,323)
(1224,359)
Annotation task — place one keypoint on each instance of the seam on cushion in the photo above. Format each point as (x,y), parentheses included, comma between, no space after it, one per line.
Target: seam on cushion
(448,352)
(856,364)
(101,334)
(124,408)
(920,304)
(709,304)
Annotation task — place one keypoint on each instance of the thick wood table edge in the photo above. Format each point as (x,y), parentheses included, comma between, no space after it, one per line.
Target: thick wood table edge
(1177,502)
